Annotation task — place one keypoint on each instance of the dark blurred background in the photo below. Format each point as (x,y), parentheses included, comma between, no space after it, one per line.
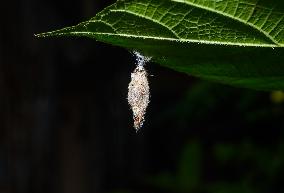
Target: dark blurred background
(66,127)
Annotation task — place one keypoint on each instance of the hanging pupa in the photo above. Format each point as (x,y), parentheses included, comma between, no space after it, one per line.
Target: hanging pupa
(139,91)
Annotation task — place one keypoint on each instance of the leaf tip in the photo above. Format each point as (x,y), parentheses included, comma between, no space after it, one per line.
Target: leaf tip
(43,35)
(38,35)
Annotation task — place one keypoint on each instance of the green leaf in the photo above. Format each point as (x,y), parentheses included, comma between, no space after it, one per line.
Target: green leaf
(237,42)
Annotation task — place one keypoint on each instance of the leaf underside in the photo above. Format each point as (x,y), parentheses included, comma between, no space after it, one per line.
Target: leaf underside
(237,42)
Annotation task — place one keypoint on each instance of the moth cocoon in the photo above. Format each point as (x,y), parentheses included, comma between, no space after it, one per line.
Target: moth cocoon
(139,92)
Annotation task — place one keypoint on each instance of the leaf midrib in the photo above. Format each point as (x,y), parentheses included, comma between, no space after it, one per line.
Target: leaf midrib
(86,33)
(227,15)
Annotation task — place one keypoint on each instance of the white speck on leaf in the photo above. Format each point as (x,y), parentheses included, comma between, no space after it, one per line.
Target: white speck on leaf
(139,91)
